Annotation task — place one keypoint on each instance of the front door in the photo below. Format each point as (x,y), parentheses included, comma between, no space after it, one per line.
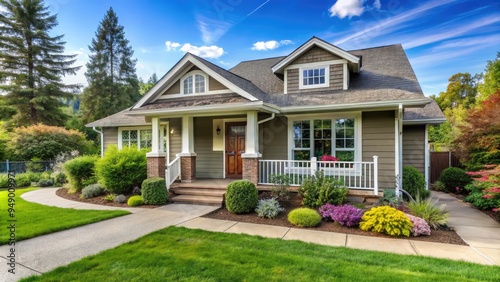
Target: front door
(235,146)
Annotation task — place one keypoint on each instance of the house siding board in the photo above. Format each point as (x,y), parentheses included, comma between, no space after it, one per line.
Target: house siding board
(378,140)
(213,84)
(315,54)
(336,80)
(175,139)
(273,139)
(110,136)
(414,147)
(174,89)
(209,163)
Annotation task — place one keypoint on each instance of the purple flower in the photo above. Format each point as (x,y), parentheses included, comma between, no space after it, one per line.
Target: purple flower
(345,215)
(420,226)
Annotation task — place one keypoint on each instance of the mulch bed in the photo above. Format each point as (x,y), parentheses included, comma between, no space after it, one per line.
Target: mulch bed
(439,236)
(63,193)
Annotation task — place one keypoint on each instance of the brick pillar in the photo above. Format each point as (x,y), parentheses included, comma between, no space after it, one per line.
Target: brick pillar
(156,166)
(251,169)
(188,168)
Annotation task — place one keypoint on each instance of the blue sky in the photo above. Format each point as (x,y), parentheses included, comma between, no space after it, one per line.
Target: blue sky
(441,37)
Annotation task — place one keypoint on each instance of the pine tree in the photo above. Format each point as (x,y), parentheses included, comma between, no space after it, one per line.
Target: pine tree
(32,63)
(113,83)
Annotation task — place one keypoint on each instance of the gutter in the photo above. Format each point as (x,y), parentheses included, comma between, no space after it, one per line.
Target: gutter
(267,119)
(414,102)
(425,121)
(102,139)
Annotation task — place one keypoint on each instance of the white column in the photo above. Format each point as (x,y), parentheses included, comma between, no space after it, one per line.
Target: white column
(252,136)
(155,139)
(187,136)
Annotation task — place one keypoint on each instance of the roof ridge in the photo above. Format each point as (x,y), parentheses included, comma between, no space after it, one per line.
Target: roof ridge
(368,48)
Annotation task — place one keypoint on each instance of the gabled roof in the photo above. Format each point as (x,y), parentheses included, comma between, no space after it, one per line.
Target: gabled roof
(314,41)
(232,81)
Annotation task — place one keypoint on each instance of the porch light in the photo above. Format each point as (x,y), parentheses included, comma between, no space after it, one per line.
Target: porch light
(218,130)
(172,131)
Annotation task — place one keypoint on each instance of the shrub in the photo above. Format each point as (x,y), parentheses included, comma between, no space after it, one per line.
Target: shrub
(4,180)
(93,190)
(420,226)
(428,210)
(345,215)
(454,177)
(109,197)
(154,191)
(281,185)
(241,196)
(120,170)
(135,201)
(476,195)
(120,199)
(319,190)
(387,220)
(304,217)
(46,142)
(23,179)
(268,208)
(59,178)
(414,183)
(439,185)
(45,182)
(81,172)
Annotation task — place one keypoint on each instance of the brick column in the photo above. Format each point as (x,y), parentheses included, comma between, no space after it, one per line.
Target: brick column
(188,168)
(156,166)
(251,169)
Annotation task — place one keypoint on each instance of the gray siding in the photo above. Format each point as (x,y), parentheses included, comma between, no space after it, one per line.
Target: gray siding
(273,139)
(209,163)
(414,147)
(315,54)
(175,140)
(110,136)
(174,89)
(215,85)
(378,140)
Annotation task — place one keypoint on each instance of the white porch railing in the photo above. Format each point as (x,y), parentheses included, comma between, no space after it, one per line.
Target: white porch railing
(172,171)
(356,175)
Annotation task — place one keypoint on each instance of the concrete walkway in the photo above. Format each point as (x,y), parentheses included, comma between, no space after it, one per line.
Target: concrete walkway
(44,253)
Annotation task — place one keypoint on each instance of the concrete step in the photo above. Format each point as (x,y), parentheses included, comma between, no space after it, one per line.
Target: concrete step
(199,191)
(199,200)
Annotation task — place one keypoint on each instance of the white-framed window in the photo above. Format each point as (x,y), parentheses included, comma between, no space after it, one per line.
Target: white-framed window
(141,138)
(338,136)
(314,77)
(194,82)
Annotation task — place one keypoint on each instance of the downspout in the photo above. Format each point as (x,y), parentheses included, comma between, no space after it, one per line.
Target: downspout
(400,146)
(267,119)
(102,140)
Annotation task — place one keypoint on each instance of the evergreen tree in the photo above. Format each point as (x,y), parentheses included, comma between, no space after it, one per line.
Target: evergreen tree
(32,63)
(113,84)
(145,86)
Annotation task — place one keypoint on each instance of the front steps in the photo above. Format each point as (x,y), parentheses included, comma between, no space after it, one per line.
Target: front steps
(199,192)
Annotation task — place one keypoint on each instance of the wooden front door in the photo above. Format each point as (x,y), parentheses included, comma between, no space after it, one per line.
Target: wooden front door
(235,146)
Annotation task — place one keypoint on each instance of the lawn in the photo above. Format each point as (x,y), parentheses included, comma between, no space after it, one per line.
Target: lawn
(35,219)
(180,254)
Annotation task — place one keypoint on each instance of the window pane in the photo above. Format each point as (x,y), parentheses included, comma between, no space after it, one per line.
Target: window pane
(133,137)
(304,73)
(306,134)
(327,133)
(349,143)
(316,80)
(311,81)
(301,155)
(199,83)
(306,143)
(318,134)
(346,156)
(349,122)
(322,80)
(339,133)
(349,133)
(304,81)
(125,135)
(146,138)
(339,143)
(188,85)
(322,72)
(316,72)
(310,73)
(298,144)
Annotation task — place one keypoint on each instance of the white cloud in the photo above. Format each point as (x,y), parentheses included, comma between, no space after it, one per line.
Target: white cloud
(203,51)
(347,8)
(466,42)
(377,5)
(211,29)
(270,45)
(172,45)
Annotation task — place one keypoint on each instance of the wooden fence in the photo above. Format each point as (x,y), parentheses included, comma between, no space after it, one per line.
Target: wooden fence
(440,161)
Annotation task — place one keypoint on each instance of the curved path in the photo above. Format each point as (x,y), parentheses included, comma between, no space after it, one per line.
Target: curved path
(44,253)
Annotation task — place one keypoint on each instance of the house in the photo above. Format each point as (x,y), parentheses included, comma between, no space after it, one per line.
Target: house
(281,115)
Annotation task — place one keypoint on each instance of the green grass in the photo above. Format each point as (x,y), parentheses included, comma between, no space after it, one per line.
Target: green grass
(35,219)
(180,254)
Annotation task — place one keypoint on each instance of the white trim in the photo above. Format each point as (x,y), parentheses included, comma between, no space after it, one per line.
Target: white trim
(357,116)
(346,77)
(187,135)
(316,64)
(427,157)
(425,121)
(279,67)
(396,146)
(285,84)
(349,106)
(193,74)
(138,129)
(314,86)
(179,95)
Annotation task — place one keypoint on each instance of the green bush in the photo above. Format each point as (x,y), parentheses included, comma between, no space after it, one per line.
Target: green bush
(120,199)
(154,191)
(80,172)
(135,201)
(414,183)
(120,170)
(319,190)
(281,185)
(59,178)
(268,208)
(476,194)
(304,217)
(93,190)
(387,220)
(439,186)
(25,179)
(4,180)
(241,196)
(45,183)
(435,215)
(454,177)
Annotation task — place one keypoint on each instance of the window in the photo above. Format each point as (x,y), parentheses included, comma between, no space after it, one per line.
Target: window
(140,138)
(194,83)
(314,77)
(318,137)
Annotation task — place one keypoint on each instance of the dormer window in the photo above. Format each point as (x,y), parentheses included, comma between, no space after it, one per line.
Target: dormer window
(313,77)
(194,83)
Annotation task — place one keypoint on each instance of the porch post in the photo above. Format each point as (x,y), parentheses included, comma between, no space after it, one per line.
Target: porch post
(188,156)
(250,159)
(156,158)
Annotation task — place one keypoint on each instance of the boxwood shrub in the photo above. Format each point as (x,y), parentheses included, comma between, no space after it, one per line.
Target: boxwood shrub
(135,201)
(154,191)
(304,217)
(453,178)
(241,196)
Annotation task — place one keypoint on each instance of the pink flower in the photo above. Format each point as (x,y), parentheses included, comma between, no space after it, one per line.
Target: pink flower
(327,158)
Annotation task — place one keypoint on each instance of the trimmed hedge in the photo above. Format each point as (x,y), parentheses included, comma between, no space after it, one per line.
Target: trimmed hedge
(154,191)
(241,196)
(304,217)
